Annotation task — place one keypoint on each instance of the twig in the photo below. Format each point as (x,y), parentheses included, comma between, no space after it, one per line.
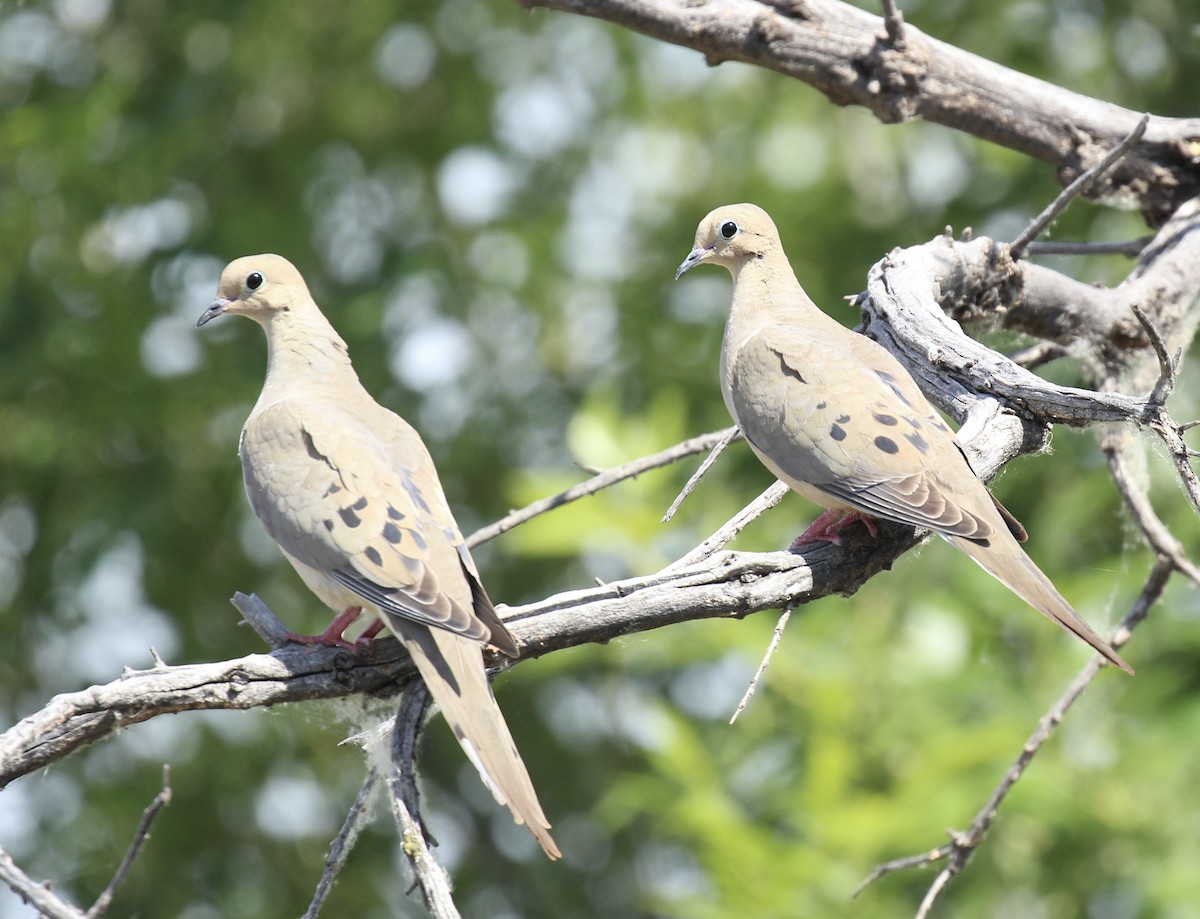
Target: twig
(1037,354)
(962,846)
(428,874)
(261,618)
(48,904)
(339,849)
(596,483)
(718,540)
(161,800)
(893,21)
(728,435)
(762,667)
(1159,420)
(1132,247)
(1081,184)
(1114,443)
(1168,365)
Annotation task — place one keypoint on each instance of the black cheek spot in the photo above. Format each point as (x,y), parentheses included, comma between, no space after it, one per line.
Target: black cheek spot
(917,441)
(392,533)
(837,432)
(349,518)
(373,554)
(887,445)
(886,420)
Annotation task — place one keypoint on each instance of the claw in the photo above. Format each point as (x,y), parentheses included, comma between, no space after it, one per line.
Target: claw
(334,634)
(826,528)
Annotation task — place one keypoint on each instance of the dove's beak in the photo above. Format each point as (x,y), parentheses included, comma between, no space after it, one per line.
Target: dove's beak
(694,258)
(216,309)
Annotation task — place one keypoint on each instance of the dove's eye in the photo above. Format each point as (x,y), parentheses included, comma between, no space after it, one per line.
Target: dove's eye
(729,229)
(254,280)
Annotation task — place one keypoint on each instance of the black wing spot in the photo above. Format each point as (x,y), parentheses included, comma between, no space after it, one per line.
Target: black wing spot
(349,518)
(887,420)
(913,423)
(333,489)
(392,533)
(415,493)
(373,554)
(887,445)
(359,504)
(311,447)
(837,432)
(328,525)
(789,370)
(917,441)
(821,405)
(842,419)
(418,539)
(890,380)
(394,514)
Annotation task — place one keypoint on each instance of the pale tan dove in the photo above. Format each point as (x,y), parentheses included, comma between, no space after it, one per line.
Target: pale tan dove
(350,493)
(836,417)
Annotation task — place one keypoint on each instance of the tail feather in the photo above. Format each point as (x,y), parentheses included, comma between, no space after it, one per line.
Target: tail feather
(452,667)
(1002,558)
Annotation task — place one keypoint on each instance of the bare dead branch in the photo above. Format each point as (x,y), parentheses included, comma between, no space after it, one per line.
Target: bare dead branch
(962,845)
(602,480)
(343,843)
(161,800)
(834,47)
(39,896)
(1035,355)
(743,518)
(776,636)
(1168,365)
(1115,444)
(893,21)
(728,435)
(1132,248)
(428,875)
(1081,185)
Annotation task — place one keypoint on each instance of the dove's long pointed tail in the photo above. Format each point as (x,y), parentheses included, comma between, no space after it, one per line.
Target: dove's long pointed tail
(452,668)
(1004,559)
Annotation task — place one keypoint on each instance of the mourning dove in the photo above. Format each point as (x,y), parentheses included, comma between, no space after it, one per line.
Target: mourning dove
(350,493)
(836,417)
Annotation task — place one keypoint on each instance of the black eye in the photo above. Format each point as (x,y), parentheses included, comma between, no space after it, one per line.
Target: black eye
(254,280)
(728,229)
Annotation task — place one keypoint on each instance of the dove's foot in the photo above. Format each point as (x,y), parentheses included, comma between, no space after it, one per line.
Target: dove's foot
(334,634)
(827,527)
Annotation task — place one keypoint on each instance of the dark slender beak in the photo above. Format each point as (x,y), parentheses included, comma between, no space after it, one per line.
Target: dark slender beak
(694,258)
(216,309)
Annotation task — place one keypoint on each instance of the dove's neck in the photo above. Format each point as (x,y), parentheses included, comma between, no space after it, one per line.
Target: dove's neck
(766,292)
(304,350)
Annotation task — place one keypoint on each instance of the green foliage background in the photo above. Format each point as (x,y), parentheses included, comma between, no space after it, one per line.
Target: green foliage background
(490,205)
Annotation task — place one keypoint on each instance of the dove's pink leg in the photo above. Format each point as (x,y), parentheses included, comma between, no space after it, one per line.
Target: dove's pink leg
(334,636)
(826,528)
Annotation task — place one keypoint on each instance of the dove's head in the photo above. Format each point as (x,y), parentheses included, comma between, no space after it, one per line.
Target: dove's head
(258,286)
(731,236)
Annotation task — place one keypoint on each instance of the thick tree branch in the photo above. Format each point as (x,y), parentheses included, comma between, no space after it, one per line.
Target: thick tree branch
(846,53)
